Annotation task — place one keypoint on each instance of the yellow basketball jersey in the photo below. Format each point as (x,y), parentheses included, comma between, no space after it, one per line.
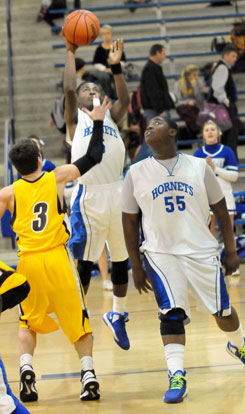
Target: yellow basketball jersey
(38,220)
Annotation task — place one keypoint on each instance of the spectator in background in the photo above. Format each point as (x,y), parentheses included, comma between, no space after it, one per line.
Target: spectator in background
(189,93)
(223,91)
(48,5)
(93,75)
(101,57)
(47,164)
(237,38)
(154,93)
(132,9)
(101,54)
(223,162)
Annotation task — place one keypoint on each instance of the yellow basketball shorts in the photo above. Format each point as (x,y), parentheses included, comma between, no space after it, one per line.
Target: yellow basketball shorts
(55,287)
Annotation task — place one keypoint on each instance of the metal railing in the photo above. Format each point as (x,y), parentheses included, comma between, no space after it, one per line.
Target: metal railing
(10,71)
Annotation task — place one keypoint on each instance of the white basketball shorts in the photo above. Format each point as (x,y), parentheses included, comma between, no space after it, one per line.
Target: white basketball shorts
(171,277)
(96,218)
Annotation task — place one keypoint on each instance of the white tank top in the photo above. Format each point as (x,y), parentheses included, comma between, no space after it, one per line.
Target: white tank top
(111,167)
(174,205)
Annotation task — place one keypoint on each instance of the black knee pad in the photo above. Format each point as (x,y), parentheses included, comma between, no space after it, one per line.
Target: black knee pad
(119,272)
(84,269)
(172,323)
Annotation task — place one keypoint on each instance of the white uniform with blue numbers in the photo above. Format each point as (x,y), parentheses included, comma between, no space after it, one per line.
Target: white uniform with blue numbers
(179,249)
(96,200)
(222,157)
(111,167)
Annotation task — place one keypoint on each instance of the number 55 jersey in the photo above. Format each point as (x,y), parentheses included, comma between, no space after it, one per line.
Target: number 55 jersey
(38,219)
(174,205)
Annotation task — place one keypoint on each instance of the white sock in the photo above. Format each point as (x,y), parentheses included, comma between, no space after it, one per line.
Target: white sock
(236,337)
(25,359)
(174,354)
(87,363)
(119,304)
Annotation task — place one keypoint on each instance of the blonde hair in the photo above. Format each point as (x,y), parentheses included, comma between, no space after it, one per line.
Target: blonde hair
(184,83)
(107,27)
(216,127)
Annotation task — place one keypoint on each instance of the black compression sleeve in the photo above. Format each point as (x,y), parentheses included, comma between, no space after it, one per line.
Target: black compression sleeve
(95,150)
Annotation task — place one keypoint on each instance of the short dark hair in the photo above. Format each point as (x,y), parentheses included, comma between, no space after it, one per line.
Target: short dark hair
(24,156)
(157,47)
(87,81)
(79,63)
(229,48)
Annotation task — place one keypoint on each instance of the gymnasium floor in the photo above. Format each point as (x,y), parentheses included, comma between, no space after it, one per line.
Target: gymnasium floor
(133,381)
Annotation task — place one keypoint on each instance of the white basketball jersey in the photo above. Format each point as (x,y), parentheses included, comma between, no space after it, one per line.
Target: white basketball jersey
(174,205)
(111,167)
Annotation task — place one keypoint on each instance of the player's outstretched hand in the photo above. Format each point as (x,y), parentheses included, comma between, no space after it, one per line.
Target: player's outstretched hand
(99,110)
(141,281)
(116,51)
(69,46)
(231,263)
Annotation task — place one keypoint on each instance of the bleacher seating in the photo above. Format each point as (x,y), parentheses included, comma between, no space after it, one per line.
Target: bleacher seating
(162,22)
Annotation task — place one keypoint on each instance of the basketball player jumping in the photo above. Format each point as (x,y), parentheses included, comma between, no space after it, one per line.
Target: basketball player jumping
(174,193)
(39,220)
(96,201)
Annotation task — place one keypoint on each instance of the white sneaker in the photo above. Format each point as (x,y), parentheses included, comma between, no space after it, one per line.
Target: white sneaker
(107,284)
(236,273)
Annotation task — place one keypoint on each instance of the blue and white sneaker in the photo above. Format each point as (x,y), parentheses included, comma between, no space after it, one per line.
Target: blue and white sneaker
(177,387)
(235,352)
(116,322)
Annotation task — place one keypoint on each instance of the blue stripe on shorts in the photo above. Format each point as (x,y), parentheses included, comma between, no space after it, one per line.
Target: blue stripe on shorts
(224,296)
(158,286)
(78,238)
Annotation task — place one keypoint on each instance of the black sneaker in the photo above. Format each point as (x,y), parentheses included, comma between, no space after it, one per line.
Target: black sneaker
(28,390)
(90,386)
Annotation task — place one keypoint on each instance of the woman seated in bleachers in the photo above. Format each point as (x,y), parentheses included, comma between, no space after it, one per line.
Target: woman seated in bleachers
(190,95)
(101,56)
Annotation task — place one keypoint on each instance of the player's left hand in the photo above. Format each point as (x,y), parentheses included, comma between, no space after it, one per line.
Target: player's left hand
(116,52)
(141,281)
(231,263)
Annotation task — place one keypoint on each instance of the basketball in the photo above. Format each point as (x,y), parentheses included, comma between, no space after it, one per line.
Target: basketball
(81,27)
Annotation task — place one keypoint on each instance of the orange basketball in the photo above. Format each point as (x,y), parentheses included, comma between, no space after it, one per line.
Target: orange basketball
(81,27)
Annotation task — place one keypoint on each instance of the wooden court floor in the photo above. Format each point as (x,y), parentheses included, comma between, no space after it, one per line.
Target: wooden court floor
(133,381)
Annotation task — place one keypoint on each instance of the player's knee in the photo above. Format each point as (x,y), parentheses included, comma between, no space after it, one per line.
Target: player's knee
(172,323)
(84,269)
(119,272)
